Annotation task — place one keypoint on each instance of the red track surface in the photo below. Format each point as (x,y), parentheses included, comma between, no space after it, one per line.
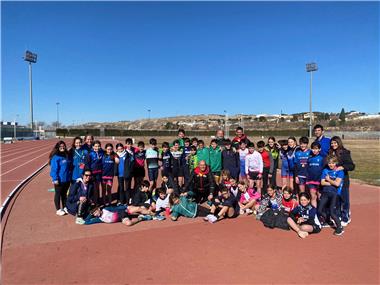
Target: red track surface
(42,248)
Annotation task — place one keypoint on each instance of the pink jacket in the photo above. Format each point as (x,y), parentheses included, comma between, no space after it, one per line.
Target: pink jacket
(249,195)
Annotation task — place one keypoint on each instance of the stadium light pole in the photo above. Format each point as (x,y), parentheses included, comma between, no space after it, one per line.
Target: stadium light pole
(149,113)
(31,58)
(15,130)
(311,67)
(57,114)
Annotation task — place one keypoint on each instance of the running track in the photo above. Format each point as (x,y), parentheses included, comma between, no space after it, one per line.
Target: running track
(41,248)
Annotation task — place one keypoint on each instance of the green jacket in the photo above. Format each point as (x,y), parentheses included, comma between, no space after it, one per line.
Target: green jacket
(204,154)
(215,159)
(193,162)
(274,151)
(185,208)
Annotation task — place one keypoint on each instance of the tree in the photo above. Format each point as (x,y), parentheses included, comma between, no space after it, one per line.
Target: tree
(326,116)
(342,116)
(332,123)
(262,119)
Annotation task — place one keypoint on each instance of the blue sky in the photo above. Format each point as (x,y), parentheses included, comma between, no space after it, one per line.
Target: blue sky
(112,61)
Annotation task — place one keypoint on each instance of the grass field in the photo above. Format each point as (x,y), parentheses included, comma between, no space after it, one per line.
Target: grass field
(365,154)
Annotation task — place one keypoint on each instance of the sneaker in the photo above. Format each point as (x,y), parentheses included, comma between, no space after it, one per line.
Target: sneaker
(249,211)
(79,221)
(158,218)
(212,219)
(60,212)
(344,224)
(339,231)
(242,212)
(330,224)
(65,210)
(144,217)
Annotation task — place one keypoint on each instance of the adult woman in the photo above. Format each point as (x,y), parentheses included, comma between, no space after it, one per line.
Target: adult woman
(346,164)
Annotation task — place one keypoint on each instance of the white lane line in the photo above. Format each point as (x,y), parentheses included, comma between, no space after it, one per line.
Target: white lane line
(14,180)
(17,150)
(39,150)
(22,164)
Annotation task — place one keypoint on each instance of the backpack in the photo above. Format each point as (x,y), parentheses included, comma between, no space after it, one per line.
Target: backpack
(275,219)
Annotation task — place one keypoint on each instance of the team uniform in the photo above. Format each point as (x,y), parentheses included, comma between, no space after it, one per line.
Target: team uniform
(300,164)
(177,169)
(290,154)
(185,162)
(242,154)
(204,154)
(60,171)
(231,162)
(215,161)
(285,171)
(309,214)
(325,145)
(78,159)
(152,157)
(95,163)
(139,167)
(315,165)
(108,171)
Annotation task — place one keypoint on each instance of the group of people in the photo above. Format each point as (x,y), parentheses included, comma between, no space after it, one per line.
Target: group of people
(228,178)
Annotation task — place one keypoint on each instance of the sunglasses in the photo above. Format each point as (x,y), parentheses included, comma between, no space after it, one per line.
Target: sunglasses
(88,175)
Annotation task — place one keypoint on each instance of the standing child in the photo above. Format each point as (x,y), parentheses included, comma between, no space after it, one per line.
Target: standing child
(215,160)
(177,169)
(286,175)
(194,142)
(122,182)
(166,158)
(332,182)
(303,219)
(129,164)
(185,161)
(267,165)
(315,165)
(60,175)
(248,198)
(88,143)
(77,156)
(203,152)
(109,161)
(152,156)
(292,148)
(301,157)
(243,151)
(231,160)
(192,159)
(139,167)
(254,167)
(94,162)
(274,149)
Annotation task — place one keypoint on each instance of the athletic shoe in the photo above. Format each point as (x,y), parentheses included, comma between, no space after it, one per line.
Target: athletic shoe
(212,219)
(344,224)
(249,211)
(144,217)
(60,212)
(79,221)
(65,210)
(339,231)
(159,218)
(242,212)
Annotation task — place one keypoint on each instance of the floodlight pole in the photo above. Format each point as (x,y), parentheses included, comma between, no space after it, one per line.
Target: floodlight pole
(30,95)
(15,130)
(57,114)
(311,67)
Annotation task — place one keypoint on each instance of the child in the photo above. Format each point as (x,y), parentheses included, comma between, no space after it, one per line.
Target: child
(292,148)
(231,160)
(192,159)
(215,160)
(225,206)
(177,170)
(225,178)
(254,167)
(194,142)
(95,164)
(203,152)
(106,215)
(303,219)
(332,182)
(301,157)
(77,156)
(243,151)
(166,158)
(286,175)
(181,206)
(234,189)
(315,165)
(185,161)
(161,204)
(248,198)
(152,157)
(274,149)
(109,161)
(141,203)
(60,175)
(272,200)
(288,202)
(168,185)
(121,153)
(139,167)
(267,165)
(129,164)
(88,143)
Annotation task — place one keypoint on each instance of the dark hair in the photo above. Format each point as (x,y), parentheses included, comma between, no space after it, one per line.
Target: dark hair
(251,144)
(89,135)
(260,144)
(129,141)
(176,142)
(304,140)
(73,143)
(224,190)
(181,131)
(292,138)
(165,144)
(304,194)
(141,143)
(287,189)
(242,141)
(153,141)
(161,191)
(272,138)
(338,140)
(186,140)
(194,139)
(318,126)
(55,150)
(145,183)
(86,170)
(332,158)
(213,141)
(201,142)
(173,197)
(227,142)
(94,210)
(283,142)
(107,145)
(119,144)
(193,147)
(97,142)
(239,129)
(315,144)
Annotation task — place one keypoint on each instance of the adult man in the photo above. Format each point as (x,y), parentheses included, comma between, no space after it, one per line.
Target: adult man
(240,136)
(201,184)
(81,197)
(220,138)
(323,141)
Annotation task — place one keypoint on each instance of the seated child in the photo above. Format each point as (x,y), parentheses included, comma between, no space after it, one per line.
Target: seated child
(271,200)
(288,201)
(141,202)
(234,189)
(181,206)
(303,219)
(168,185)
(225,206)
(161,204)
(248,198)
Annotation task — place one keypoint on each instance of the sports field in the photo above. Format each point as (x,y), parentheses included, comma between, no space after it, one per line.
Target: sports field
(39,247)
